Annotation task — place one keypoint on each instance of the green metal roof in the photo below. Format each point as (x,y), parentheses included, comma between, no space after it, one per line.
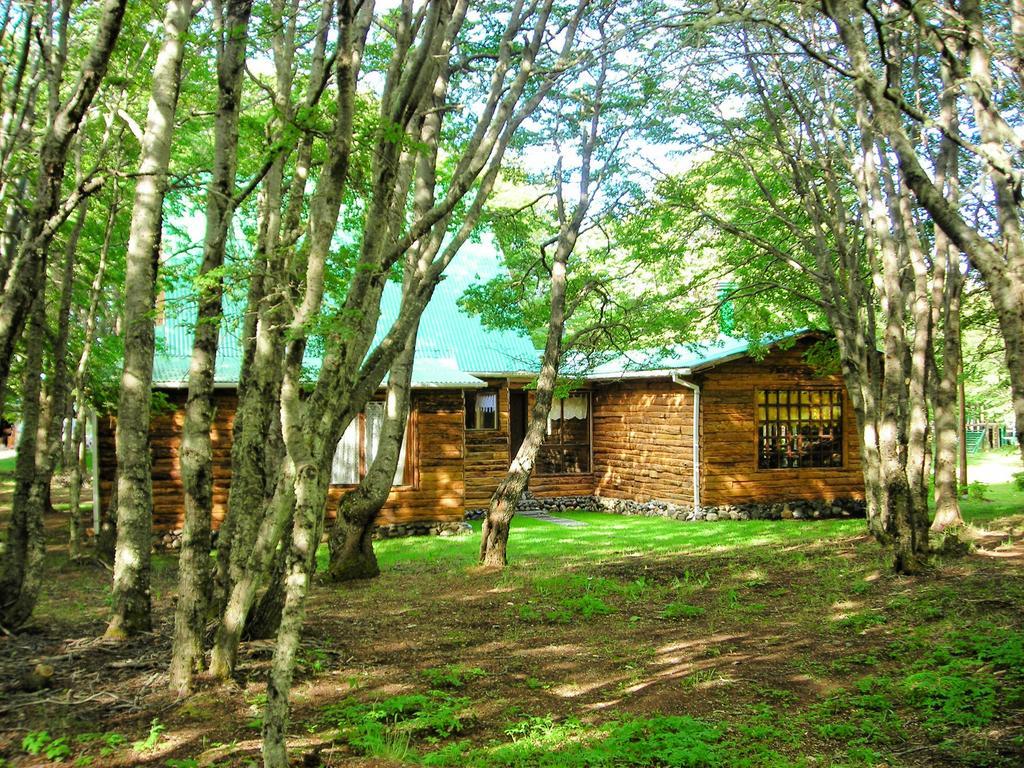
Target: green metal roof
(451,346)
(686,357)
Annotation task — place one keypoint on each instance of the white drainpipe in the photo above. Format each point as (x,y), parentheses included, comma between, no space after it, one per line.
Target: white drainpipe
(94,428)
(678,379)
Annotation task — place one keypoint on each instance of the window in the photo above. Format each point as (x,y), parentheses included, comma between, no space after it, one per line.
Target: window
(800,428)
(358,447)
(566,449)
(482,409)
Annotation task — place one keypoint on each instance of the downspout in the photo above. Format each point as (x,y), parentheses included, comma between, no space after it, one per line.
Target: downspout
(95,450)
(678,379)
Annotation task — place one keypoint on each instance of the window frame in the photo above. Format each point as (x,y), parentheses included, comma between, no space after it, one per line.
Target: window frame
(588,394)
(410,470)
(475,393)
(758,421)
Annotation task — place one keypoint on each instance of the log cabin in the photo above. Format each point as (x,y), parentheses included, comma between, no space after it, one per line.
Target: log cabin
(701,432)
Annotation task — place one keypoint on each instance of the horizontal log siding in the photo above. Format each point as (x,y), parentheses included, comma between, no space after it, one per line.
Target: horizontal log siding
(729,472)
(437,492)
(486,453)
(643,441)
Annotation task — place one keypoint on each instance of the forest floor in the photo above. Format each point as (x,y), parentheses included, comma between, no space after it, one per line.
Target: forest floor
(628,641)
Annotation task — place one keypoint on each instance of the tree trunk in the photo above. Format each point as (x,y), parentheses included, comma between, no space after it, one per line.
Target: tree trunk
(310,496)
(35,470)
(265,618)
(495,532)
(26,545)
(257,448)
(194,566)
(351,541)
(135,483)
(78,464)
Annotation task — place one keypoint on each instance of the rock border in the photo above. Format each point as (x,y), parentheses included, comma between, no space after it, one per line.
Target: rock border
(786,510)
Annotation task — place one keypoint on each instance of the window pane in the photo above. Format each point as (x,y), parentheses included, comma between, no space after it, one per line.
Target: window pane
(800,428)
(566,448)
(345,466)
(482,410)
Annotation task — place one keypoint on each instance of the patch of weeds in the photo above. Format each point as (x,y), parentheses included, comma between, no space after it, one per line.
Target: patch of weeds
(451,675)
(187,762)
(390,723)
(1018,480)
(864,715)
(559,616)
(969,680)
(700,677)
(544,742)
(313,660)
(156,730)
(861,587)
(691,580)
(530,613)
(535,683)
(680,610)
(858,622)
(108,742)
(778,695)
(636,589)
(588,606)
(42,743)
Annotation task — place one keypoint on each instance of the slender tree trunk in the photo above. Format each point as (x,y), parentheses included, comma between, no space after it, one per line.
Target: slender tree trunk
(351,541)
(26,545)
(494,536)
(257,448)
(310,495)
(194,567)
(947,502)
(35,469)
(265,618)
(946,296)
(134,481)
(78,464)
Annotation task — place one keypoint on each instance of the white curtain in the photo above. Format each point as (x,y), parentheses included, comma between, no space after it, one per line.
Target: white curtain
(575,407)
(374,425)
(487,402)
(345,466)
(572,407)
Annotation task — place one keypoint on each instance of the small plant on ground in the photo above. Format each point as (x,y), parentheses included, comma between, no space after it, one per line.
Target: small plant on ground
(451,675)
(680,610)
(156,730)
(42,743)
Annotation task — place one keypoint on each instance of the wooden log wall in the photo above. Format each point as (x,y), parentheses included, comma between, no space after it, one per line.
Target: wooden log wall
(643,441)
(436,493)
(165,430)
(487,456)
(730,473)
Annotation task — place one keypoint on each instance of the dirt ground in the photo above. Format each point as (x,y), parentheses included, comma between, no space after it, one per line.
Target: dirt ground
(791,629)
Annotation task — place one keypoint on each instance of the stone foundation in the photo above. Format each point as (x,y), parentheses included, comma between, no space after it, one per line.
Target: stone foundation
(795,510)
(422,529)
